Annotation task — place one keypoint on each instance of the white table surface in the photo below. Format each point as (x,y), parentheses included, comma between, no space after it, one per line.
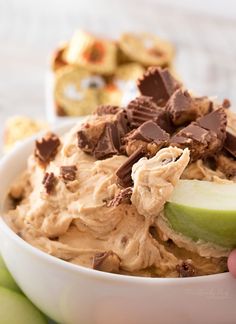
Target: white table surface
(204,33)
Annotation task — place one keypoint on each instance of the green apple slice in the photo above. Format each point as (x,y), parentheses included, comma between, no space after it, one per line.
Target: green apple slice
(204,210)
(7,281)
(17,309)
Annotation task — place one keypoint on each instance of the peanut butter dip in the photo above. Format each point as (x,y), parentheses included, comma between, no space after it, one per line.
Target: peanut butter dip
(88,199)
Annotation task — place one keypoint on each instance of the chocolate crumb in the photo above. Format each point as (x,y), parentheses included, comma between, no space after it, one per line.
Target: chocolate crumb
(186,269)
(68,173)
(123,197)
(106,261)
(159,84)
(226,103)
(49,182)
(124,240)
(46,148)
(107,110)
(124,171)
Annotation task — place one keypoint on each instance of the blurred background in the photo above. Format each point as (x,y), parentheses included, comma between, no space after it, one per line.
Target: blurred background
(203,33)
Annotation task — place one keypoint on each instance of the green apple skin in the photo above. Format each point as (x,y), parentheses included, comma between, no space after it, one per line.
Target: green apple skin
(17,309)
(7,281)
(216,226)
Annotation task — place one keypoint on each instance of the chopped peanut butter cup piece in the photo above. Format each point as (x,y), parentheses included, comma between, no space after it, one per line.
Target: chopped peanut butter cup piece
(124,172)
(49,182)
(107,110)
(46,148)
(216,122)
(68,173)
(106,261)
(143,109)
(205,136)
(150,132)
(186,269)
(123,197)
(109,142)
(230,144)
(158,84)
(196,138)
(182,107)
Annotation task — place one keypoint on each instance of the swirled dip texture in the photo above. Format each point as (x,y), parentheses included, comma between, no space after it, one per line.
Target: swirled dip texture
(95,196)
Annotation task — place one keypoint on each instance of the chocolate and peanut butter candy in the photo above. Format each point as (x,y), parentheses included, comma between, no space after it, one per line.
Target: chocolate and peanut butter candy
(182,108)
(230,144)
(149,136)
(159,84)
(123,197)
(101,136)
(124,172)
(204,137)
(46,148)
(68,173)
(186,269)
(143,109)
(106,261)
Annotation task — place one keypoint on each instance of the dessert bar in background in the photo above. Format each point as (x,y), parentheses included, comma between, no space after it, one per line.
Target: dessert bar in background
(18,128)
(89,71)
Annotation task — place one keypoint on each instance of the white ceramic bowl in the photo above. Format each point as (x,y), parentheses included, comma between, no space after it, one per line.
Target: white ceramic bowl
(73,294)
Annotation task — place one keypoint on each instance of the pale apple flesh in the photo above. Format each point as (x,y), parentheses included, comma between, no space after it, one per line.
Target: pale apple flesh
(204,211)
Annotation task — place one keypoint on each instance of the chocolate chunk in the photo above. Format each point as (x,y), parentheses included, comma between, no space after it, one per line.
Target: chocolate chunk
(84,143)
(150,132)
(216,122)
(194,137)
(205,136)
(122,122)
(124,172)
(46,148)
(122,197)
(107,110)
(182,108)
(230,144)
(109,143)
(186,269)
(158,84)
(226,103)
(49,182)
(68,173)
(143,109)
(106,261)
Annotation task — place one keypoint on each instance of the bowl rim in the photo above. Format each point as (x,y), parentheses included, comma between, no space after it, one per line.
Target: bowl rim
(78,269)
